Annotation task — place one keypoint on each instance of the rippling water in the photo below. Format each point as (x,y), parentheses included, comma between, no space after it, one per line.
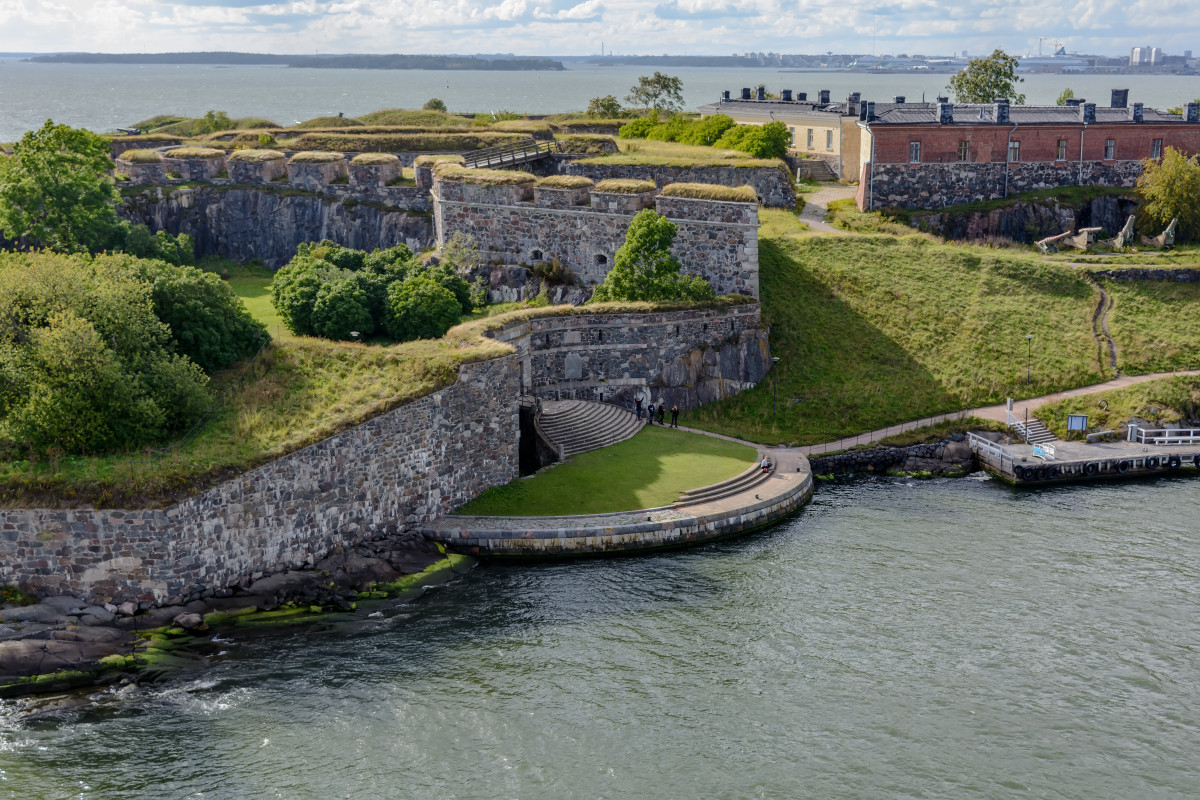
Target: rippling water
(939,639)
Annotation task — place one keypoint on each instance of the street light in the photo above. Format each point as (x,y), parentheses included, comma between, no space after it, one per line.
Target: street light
(774,385)
(1028,360)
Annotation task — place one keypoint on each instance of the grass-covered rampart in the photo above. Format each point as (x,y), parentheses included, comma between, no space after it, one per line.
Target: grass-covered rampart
(1168,400)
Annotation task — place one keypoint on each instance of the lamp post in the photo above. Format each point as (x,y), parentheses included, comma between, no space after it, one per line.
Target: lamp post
(1028,360)
(774,385)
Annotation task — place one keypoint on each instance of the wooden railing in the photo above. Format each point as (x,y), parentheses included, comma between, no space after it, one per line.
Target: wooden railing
(510,154)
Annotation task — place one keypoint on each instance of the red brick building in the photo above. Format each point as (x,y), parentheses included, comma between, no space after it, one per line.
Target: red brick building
(930,155)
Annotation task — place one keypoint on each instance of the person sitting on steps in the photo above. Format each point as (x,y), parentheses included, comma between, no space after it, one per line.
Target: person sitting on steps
(766,464)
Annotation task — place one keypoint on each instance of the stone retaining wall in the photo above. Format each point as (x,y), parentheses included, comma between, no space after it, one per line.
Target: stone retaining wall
(773,185)
(945,456)
(267,223)
(406,466)
(687,358)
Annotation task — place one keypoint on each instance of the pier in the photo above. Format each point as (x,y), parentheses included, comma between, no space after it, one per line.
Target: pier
(1147,452)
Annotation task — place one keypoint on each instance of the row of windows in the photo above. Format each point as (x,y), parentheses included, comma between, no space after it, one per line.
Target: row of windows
(1014,150)
(828,138)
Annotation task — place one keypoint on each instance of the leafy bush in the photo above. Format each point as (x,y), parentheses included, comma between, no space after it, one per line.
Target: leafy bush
(340,309)
(137,240)
(421,308)
(434,104)
(644,269)
(760,141)
(86,364)
(607,106)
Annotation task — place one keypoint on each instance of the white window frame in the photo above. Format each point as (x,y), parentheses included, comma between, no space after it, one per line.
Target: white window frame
(1014,151)
(810,138)
(829,140)
(1110,149)
(1060,150)
(964,150)
(1156,148)
(914,152)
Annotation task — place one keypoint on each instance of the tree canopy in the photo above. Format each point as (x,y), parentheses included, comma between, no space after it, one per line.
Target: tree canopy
(606,107)
(658,92)
(1065,95)
(1169,189)
(55,191)
(985,79)
(644,269)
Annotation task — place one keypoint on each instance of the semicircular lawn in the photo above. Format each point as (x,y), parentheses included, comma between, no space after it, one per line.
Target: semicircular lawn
(651,469)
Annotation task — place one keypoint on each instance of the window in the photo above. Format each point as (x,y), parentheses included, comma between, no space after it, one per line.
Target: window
(792,134)
(914,152)
(964,151)
(537,255)
(828,140)
(1156,148)
(1110,149)
(810,138)
(601,260)
(1014,151)
(1060,154)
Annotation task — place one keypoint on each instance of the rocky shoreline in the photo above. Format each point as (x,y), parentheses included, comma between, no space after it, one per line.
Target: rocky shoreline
(949,457)
(62,643)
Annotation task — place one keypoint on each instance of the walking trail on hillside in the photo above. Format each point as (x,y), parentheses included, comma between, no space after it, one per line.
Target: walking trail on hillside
(817,203)
(997,412)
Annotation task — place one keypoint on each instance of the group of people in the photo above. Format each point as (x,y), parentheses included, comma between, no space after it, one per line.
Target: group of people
(660,409)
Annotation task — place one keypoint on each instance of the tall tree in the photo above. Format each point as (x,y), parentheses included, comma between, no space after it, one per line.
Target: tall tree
(644,269)
(55,191)
(985,79)
(1169,190)
(1064,96)
(658,92)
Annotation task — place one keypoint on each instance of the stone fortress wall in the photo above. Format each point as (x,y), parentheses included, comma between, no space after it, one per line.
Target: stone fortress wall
(408,465)
(582,229)
(405,467)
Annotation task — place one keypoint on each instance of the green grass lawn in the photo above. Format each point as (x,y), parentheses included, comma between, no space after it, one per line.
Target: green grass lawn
(1156,325)
(255,292)
(651,469)
(875,330)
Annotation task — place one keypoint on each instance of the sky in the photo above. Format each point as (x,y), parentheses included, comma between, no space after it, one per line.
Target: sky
(579,27)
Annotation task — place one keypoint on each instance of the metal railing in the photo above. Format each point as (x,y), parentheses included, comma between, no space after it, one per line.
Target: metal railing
(844,442)
(1164,436)
(510,154)
(990,453)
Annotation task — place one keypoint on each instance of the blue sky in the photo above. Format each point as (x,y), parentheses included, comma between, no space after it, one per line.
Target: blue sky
(547,27)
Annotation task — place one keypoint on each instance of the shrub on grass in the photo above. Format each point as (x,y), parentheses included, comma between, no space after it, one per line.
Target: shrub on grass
(340,308)
(644,269)
(421,308)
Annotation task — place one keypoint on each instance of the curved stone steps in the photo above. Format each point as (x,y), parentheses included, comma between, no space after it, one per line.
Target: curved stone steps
(739,483)
(576,426)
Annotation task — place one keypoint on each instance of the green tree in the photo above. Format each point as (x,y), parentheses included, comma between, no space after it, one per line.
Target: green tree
(55,191)
(214,121)
(294,292)
(1066,94)
(658,92)
(342,308)
(1169,189)
(420,308)
(644,269)
(607,107)
(985,79)
(434,104)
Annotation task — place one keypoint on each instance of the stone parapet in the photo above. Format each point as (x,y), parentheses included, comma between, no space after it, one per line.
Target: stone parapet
(316,176)
(195,169)
(252,172)
(623,202)
(404,467)
(549,197)
(774,185)
(139,174)
(374,175)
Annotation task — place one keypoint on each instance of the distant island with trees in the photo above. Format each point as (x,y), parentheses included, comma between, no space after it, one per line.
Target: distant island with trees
(392,61)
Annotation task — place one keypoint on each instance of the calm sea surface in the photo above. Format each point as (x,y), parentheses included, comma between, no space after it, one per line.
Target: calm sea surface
(103,97)
(896,639)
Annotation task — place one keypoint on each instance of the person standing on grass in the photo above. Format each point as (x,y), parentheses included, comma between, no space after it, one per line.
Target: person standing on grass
(650,416)
(638,401)
(662,413)
(674,415)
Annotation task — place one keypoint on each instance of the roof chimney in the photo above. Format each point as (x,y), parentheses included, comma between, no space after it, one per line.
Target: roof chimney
(745,93)
(1120,98)
(1191,112)
(1087,113)
(870,111)
(899,99)
(945,113)
(1000,111)
(725,96)
(855,97)
(1135,112)
(1074,102)
(786,94)
(801,96)
(862,109)
(824,97)
(762,93)
(943,99)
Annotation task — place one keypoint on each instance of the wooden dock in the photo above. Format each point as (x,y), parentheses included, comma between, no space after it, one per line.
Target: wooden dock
(1081,461)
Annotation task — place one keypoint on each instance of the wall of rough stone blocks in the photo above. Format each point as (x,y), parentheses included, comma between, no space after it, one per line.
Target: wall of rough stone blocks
(774,186)
(717,241)
(408,465)
(689,357)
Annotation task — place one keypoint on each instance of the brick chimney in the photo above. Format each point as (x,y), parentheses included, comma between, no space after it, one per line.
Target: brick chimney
(1191,112)
(824,95)
(745,93)
(786,95)
(1120,98)
(762,93)
(1135,112)
(1087,113)
(802,96)
(1000,111)
(899,100)
(945,113)
(862,109)
(870,111)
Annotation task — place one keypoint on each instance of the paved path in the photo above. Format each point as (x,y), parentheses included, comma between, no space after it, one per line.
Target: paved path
(996,413)
(816,203)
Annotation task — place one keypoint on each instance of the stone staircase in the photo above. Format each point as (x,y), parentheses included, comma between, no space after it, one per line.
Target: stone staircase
(1035,431)
(742,482)
(576,426)
(815,170)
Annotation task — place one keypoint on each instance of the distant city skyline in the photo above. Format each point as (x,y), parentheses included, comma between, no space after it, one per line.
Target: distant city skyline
(626,27)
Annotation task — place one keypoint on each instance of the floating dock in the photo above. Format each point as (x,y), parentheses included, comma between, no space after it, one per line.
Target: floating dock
(1035,465)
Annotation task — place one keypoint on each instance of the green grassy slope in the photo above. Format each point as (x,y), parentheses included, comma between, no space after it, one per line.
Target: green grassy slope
(1156,325)
(877,330)
(651,469)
